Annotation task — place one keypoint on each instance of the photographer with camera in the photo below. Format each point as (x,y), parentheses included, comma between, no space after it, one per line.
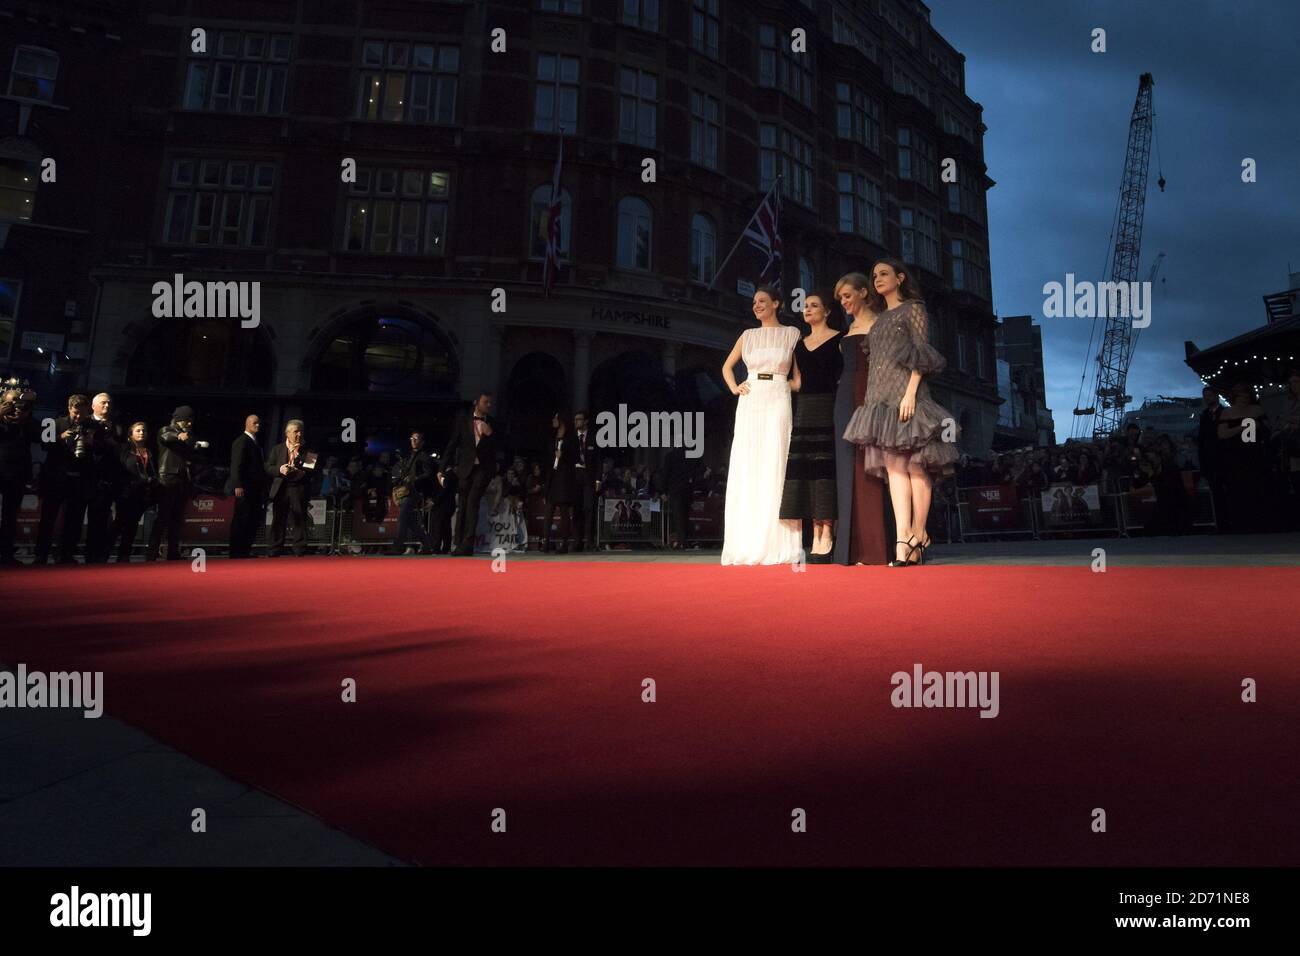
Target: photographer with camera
(290,467)
(17,434)
(68,479)
(414,481)
(176,451)
(137,491)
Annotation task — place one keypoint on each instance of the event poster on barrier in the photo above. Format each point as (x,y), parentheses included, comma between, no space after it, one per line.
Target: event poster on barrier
(207,519)
(501,528)
(704,518)
(994,508)
(1071,506)
(627,519)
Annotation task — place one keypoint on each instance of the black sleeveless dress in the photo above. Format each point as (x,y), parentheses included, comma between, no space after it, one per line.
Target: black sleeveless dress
(809,493)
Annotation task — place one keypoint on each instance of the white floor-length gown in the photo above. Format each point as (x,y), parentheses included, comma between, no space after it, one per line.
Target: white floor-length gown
(753,530)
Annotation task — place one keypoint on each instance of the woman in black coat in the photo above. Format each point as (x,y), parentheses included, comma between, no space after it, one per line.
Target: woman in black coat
(562,488)
(137,492)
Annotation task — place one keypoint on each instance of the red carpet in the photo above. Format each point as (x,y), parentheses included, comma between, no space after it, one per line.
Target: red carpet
(522,691)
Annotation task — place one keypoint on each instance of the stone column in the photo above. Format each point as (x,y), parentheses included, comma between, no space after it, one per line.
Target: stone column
(581,367)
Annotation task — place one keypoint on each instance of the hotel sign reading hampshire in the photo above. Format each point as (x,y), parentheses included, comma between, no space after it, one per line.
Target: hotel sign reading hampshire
(631,317)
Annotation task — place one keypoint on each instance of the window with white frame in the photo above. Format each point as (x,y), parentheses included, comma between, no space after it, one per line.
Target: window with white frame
(556,104)
(861,212)
(244,73)
(898,21)
(783,152)
(704,248)
(970,267)
(909,85)
(781,68)
(920,235)
(34,73)
(857,115)
(963,197)
(10,290)
(404,82)
(706,130)
(18,180)
(915,158)
(397,211)
(218,202)
(705,27)
(642,14)
(807,281)
(638,106)
(540,219)
(844,32)
(957,126)
(635,231)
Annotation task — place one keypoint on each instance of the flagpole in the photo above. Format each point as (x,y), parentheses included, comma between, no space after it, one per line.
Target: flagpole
(776,182)
(556,191)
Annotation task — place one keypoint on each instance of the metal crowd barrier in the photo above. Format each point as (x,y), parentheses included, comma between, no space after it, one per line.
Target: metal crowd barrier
(631,521)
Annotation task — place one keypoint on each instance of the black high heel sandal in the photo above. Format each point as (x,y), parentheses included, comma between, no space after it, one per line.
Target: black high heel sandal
(920,550)
(906,560)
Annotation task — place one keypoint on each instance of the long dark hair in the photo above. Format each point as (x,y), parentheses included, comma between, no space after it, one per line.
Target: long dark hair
(828,303)
(908,289)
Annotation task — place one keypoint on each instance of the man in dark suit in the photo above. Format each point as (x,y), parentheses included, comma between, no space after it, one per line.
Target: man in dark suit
(471,456)
(289,467)
(246,481)
(108,477)
(176,449)
(587,472)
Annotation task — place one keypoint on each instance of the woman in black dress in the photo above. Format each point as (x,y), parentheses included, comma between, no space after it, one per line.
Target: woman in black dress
(809,493)
(860,533)
(562,490)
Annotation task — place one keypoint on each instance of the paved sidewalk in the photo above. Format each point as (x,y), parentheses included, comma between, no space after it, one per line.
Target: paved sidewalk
(96,792)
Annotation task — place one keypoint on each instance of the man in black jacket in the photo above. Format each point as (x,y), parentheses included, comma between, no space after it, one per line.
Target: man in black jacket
(289,467)
(587,472)
(415,478)
(246,482)
(471,456)
(108,476)
(176,450)
(18,432)
(68,479)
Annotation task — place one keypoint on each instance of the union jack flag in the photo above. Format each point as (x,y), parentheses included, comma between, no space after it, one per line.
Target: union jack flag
(764,234)
(552,267)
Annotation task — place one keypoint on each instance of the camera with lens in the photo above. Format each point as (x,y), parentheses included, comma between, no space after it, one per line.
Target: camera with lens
(82,437)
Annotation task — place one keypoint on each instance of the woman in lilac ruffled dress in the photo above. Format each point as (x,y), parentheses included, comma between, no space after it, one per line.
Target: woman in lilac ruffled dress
(906,436)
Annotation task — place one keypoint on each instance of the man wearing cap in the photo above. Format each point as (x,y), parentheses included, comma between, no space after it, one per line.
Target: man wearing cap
(176,448)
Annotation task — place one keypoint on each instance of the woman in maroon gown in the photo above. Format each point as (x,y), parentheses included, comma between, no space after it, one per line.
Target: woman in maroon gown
(860,533)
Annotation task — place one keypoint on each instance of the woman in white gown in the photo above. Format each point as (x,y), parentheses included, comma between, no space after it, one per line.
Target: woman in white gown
(753,530)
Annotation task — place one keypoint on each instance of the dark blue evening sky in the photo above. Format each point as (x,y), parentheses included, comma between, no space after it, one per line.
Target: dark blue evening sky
(1227,86)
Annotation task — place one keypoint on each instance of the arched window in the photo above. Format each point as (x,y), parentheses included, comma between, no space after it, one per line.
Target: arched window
(634,234)
(201,353)
(385,353)
(704,248)
(541,220)
(806,278)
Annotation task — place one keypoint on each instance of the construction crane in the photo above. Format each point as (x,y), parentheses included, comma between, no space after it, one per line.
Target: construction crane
(1117,342)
